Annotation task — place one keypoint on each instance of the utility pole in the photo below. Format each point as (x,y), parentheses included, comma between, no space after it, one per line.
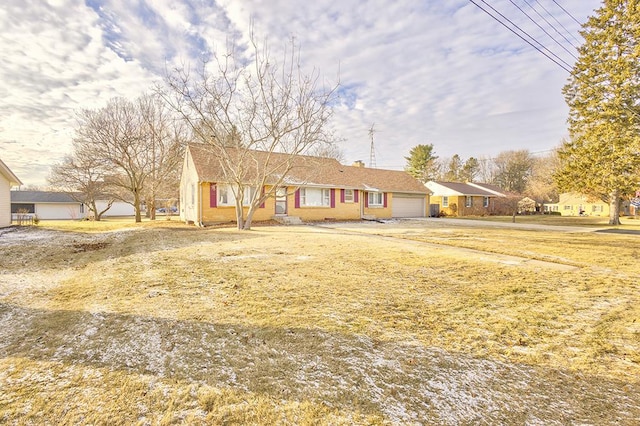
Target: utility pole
(372,155)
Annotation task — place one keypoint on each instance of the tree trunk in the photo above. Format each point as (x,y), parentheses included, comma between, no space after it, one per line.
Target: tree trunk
(249,218)
(151,208)
(136,205)
(239,215)
(96,215)
(614,208)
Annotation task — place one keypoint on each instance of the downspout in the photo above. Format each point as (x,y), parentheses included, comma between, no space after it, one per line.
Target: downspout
(200,224)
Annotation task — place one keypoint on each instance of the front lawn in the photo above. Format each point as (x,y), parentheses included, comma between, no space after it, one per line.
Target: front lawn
(364,323)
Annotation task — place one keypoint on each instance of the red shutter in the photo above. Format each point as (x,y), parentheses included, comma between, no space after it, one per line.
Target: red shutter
(366,199)
(297,198)
(342,195)
(384,197)
(333,198)
(213,195)
(262,195)
(355,195)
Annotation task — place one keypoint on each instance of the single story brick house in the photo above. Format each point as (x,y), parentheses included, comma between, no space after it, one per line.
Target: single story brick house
(314,189)
(7,180)
(463,198)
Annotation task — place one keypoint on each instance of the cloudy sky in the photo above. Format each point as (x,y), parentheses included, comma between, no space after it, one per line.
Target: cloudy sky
(438,72)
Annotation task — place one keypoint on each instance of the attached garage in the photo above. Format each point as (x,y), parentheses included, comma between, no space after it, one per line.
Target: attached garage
(408,205)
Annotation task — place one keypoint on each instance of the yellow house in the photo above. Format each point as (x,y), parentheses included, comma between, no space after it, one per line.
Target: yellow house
(463,198)
(313,189)
(575,204)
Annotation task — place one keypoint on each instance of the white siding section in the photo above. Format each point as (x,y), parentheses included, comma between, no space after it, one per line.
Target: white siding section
(118,208)
(5,201)
(189,191)
(48,211)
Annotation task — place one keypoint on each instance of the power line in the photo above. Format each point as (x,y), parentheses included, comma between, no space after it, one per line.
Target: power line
(565,11)
(561,63)
(542,28)
(551,25)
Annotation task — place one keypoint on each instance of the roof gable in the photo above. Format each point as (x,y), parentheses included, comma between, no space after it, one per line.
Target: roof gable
(9,175)
(441,188)
(489,187)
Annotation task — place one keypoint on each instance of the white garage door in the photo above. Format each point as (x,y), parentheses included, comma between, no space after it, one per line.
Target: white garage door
(406,206)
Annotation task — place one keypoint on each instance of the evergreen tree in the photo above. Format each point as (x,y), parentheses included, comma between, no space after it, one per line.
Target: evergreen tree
(454,170)
(602,158)
(421,163)
(470,170)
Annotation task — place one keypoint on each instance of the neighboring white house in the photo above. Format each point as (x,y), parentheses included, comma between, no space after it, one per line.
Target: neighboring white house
(7,180)
(118,208)
(47,205)
(60,205)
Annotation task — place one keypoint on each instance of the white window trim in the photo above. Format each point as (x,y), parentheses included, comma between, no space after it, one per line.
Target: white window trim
(349,196)
(468,201)
(325,197)
(249,191)
(373,202)
(445,201)
(485,202)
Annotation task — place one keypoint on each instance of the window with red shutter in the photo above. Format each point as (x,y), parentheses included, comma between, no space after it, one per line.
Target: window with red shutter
(213,195)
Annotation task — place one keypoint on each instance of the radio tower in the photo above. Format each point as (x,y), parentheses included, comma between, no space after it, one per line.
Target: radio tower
(372,155)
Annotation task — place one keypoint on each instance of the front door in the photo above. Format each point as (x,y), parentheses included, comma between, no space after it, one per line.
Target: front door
(281,201)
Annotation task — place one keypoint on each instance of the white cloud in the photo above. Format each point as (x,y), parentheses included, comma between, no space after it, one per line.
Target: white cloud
(423,72)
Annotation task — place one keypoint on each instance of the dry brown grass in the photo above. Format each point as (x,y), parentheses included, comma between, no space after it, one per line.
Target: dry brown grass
(361,323)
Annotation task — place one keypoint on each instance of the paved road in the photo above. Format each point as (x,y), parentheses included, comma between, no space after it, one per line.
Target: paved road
(488,223)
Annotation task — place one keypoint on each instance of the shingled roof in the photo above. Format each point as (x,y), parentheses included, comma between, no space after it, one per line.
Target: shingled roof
(462,188)
(41,197)
(306,170)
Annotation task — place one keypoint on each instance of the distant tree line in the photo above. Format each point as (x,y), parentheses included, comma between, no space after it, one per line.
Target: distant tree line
(517,172)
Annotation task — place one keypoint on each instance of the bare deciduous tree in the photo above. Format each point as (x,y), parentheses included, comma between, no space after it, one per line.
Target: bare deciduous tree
(114,134)
(239,107)
(486,170)
(81,175)
(541,186)
(513,169)
(165,141)
(136,145)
